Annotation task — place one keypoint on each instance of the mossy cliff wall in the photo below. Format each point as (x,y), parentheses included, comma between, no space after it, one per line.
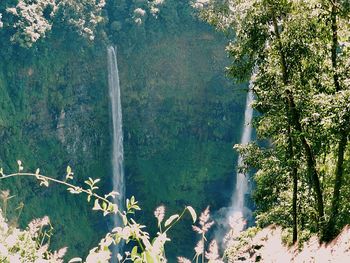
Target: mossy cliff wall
(181,118)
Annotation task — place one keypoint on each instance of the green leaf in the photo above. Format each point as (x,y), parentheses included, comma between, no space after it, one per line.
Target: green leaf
(20,166)
(125,220)
(149,258)
(97,205)
(97,180)
(75,190)
(171,219)
(87,182)
(136,207)
(127,204)
(134,253)
(112,194)
(69,173)
(192,212)
(44,182)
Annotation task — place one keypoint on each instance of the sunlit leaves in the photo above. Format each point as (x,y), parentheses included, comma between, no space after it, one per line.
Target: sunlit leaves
(134,255)
(31,20)
(105,207)
(171,220)
(132,205)
(192,212)
(20,166)
(69,173)
(75,260)
(75,190)
(151,7)
(92,183)
(44,182)
(112,194)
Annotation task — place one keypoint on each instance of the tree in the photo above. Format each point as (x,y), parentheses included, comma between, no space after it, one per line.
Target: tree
(301,88)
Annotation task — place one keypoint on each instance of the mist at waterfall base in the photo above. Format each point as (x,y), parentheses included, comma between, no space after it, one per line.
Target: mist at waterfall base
(117,131)
(238,215)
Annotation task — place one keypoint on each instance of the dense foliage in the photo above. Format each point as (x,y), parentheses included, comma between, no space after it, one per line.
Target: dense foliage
(298,55)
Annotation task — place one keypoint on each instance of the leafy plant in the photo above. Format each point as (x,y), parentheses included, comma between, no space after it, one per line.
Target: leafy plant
(145,248)
(30,245)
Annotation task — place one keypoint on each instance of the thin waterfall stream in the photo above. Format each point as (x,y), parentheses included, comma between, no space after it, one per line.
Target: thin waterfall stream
(117,143)
(238,197)
(237,213)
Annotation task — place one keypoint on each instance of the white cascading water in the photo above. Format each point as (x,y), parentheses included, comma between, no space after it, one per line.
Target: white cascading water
(117,147)
(241,190)
(232,219)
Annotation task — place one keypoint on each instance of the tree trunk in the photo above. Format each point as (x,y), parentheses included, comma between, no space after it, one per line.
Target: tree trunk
(331,229)
(338,181)
(335,45)
(294,172)
(295,123)
(310,159)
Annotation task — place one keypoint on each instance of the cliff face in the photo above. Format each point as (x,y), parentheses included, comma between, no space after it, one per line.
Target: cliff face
(55,113)
(181,118)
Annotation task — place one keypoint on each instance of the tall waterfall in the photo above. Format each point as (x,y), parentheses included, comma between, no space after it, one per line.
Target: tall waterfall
(116,110)
(237,200)
(234,217)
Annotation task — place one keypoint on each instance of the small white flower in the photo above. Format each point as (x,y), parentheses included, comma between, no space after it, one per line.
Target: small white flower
(159,213)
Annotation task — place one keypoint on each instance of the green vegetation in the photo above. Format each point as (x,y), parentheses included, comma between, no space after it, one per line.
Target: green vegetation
(32,245)
(181,117)
(298,53)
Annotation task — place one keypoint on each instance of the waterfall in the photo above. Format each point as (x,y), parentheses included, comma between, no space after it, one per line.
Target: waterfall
(241,190)
(117,146)
(232,219)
